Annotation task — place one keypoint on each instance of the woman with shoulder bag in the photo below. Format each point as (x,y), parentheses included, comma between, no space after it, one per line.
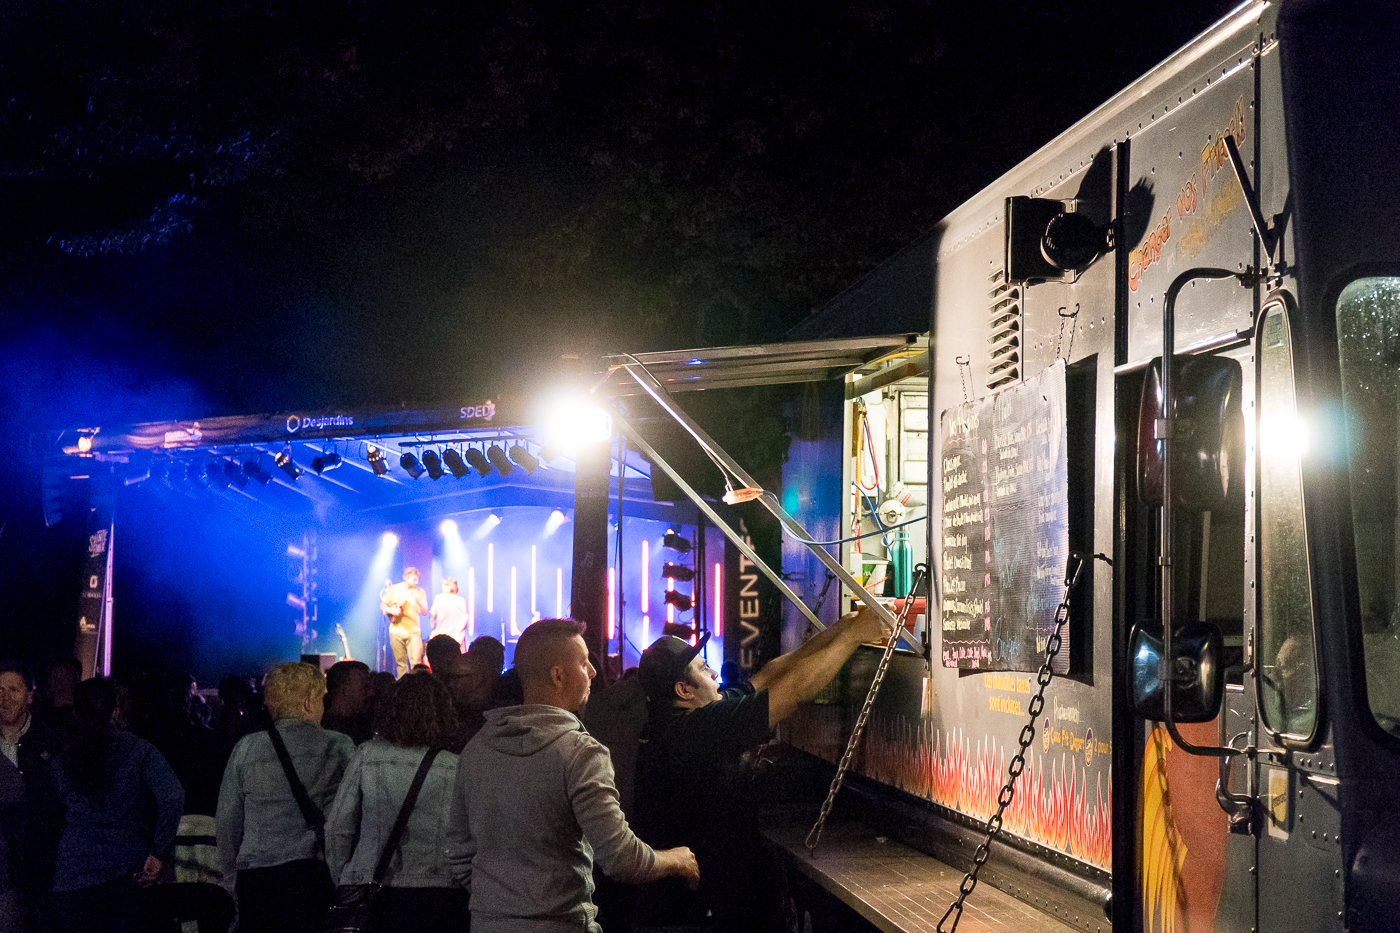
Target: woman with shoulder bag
(403,875)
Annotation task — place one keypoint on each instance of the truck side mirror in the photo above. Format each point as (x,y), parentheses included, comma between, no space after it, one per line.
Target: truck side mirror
(1208,446)
(1197,676)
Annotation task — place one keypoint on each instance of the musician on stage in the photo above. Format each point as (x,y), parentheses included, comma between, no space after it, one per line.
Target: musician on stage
(403,603)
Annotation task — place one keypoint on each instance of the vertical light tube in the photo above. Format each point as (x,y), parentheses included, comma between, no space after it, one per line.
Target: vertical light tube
(559,592)
(534,561)
(718,626)
(514,625)
(612,601)
(646,571)
(670,607)
(491,577)
(471,602)
(646,632)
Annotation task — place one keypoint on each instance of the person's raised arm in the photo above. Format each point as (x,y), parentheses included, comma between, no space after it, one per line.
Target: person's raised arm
(811,667)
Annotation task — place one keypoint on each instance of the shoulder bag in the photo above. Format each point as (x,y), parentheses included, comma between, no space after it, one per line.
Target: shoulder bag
(351,911)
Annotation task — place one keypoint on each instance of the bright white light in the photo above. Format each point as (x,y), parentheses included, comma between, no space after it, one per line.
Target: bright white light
(556,518)
(514,625)
(484,529)
(612,602)
(559,593)
(448,527)
(646,598)
(534,576)
(1283,438)
(491,577)
(571,420)
(389,539)
(471,602)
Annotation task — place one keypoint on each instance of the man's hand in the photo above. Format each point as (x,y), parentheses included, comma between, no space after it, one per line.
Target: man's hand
(865,625)
(678,863)
(149,873)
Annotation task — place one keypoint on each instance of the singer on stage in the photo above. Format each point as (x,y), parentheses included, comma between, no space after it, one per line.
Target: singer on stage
(403,603)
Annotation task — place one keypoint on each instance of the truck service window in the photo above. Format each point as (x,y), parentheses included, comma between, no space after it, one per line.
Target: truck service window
(1368,335)
(1287,658)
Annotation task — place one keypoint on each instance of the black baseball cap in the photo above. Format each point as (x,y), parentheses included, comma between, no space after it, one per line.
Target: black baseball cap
(663,665)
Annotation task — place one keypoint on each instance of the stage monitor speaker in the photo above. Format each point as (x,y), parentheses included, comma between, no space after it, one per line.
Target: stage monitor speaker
(322,661)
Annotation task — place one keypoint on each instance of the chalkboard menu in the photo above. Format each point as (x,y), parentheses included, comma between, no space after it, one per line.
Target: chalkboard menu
(1005,536)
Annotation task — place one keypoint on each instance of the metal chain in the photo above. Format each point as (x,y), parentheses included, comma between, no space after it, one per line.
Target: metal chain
(1018,764)
(964,370)
(813,837)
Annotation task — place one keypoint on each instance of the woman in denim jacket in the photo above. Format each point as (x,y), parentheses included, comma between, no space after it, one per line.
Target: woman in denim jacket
(418,885)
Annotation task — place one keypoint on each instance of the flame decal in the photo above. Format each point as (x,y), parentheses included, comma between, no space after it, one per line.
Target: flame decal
(1163,853)
(1052,805)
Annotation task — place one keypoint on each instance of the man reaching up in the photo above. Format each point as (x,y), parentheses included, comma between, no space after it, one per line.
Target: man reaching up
(535,802)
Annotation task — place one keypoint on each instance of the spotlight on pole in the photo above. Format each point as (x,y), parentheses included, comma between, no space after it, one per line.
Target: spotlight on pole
(478,461)
(448,526)
(524,458)
(432,464)
(325,460)
(410,465)
(453,459)
(254,468)
(377,463)
(389,538)
(679,600)
(677,572)
(556,519)
(498,459)
(675,542)
(235,474)
(217,478)
(286,464)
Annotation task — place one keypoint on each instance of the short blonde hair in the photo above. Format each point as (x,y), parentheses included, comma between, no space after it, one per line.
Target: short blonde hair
(286,686)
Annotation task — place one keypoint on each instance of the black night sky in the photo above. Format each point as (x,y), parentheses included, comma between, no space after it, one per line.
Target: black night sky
(265,205)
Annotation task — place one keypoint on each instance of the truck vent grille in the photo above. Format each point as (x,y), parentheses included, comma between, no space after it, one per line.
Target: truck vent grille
(1004,324)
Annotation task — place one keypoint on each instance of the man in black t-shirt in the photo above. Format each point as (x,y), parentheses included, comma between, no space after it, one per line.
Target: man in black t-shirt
(694,786)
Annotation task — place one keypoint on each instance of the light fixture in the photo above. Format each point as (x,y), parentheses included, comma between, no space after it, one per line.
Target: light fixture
(453,459)
(432,464)
(376,461)
(675,542)
(448,526)
(253,468)
(499,460)
(677,572)
(734,496)
(325,460)
(84,443)
(217,478)
(478,461)
(524,458)
(235,474)
(679,600)
(389,538)
(286,464)
(551,451)
(410,465)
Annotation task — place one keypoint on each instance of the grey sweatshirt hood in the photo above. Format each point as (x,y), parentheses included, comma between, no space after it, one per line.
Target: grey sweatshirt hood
(521,731)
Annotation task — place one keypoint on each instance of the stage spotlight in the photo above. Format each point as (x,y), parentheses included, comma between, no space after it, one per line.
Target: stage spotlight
(325,460)
(286,464)
(675,542)
(454,462)
(527,460)
(235,474)
(555,520)
(217,478)
(254,469)
(478,461)
(551,451)
(448,526)
(571,420)
(376,461)
(389,538)
(679,600)
(484,529)
(432,464)
(410,465)
(678,572)
(498,459)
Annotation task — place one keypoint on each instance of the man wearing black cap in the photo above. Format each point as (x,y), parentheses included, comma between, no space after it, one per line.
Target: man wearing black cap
(693,785)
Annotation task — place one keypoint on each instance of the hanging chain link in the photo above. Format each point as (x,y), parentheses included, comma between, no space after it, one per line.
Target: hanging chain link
(964,373)
(1059,341)
(920,572)
(1018,764)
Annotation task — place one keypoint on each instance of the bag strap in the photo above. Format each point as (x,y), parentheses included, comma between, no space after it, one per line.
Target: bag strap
(315,819)
(401,823)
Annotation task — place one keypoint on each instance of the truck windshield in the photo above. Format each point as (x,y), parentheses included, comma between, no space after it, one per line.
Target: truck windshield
(1368,334)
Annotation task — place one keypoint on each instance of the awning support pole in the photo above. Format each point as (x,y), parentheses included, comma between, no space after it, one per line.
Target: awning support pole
(770,502)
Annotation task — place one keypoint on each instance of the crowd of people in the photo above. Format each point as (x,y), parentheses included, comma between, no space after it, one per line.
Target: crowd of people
(456,796)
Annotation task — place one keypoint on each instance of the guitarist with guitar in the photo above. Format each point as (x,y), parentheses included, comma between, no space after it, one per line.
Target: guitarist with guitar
(403,603)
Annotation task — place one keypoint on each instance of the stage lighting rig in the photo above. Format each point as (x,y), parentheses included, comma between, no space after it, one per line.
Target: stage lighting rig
(377,463)
(410,465)
(286,464)
(478,461)
(526,460)
(453,459)
(253,468)
(217,478)
(325,460)
(675,542)
(235,474)
(679,600)
(498,459)
(432,464)
(678,572)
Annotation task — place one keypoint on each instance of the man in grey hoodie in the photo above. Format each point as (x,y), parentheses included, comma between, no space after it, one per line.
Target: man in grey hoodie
(535,802)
